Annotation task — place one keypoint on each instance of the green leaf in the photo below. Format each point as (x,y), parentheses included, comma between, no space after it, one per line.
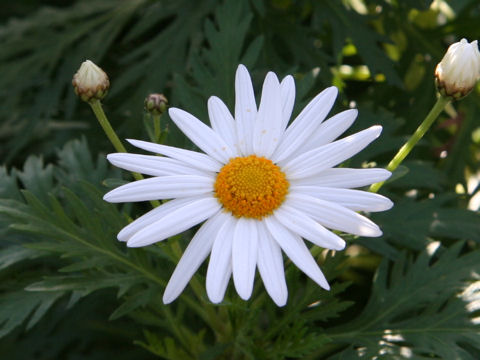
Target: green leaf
(8,185)
(16,307)
(84,284)
(421,174)
(14,254)
(347,23)
(232,21)
(36,177)
(76,163)
(411,223)
(414,306)
(139,299)
(164,347)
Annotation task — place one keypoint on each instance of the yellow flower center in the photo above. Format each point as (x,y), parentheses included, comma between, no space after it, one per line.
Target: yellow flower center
(251,186)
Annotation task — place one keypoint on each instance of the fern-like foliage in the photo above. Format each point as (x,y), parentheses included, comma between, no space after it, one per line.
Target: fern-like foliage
(67,283)
(418,308)
(74,223)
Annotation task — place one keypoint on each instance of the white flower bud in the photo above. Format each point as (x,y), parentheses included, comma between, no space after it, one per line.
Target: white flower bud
(459,70)
(90,82)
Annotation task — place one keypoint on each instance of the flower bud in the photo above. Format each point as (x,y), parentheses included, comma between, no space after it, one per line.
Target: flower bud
(459,70)
(90,82)
(156,104)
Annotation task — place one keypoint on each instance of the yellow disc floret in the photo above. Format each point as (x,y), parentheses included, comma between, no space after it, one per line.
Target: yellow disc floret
(251,186)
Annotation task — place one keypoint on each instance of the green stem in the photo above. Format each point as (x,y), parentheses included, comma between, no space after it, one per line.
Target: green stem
(102,119)
(112,136)
(417,135)
(156,128)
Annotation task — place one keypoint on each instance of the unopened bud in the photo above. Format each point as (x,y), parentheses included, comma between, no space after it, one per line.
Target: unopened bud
(156,104)
(90,82)
(459,70)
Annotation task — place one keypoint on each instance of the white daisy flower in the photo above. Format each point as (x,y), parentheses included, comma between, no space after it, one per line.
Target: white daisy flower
(261,188)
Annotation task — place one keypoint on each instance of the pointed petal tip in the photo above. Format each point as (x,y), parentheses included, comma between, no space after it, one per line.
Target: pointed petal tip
(167,299)
(387,204)
(242,69)
(136,243)
(332,88)
(212,100)
(371,231)
(173,111)
(215,300)
(354,112)
(135,142)
(271,76)
(331,91)
(340,245)
(288,78)
(280,299)
(245,294)
(377,129)
(121,236)
(377,233)
(107,197)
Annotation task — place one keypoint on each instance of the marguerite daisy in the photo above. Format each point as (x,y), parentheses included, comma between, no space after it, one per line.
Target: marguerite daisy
(261,187)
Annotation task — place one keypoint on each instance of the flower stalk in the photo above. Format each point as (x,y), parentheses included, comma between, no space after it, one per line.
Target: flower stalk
(156,105)
(107,128)
(441,103)
(156,128)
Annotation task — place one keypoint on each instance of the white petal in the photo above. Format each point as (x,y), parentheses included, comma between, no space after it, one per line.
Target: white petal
(202,135)
(329,130)
(153,215)
(195,253)
(305,124)
(356,200)
(222,122)
(244,256)
(300,223)
(270,266)
(220,264)
(193,158)
(344,178)
(296,250)
(245,110)
(164,187)
(175,222)
(326,156)
(287,90)
(334,216)
(153,165)
(268,127)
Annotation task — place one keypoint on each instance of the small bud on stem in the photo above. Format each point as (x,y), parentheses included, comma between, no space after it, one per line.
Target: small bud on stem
(156,104)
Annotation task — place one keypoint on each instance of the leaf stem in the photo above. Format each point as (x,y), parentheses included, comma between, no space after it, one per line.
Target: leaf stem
(417,135)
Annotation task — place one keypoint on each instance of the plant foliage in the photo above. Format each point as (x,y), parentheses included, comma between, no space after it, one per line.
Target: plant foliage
(70,290)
